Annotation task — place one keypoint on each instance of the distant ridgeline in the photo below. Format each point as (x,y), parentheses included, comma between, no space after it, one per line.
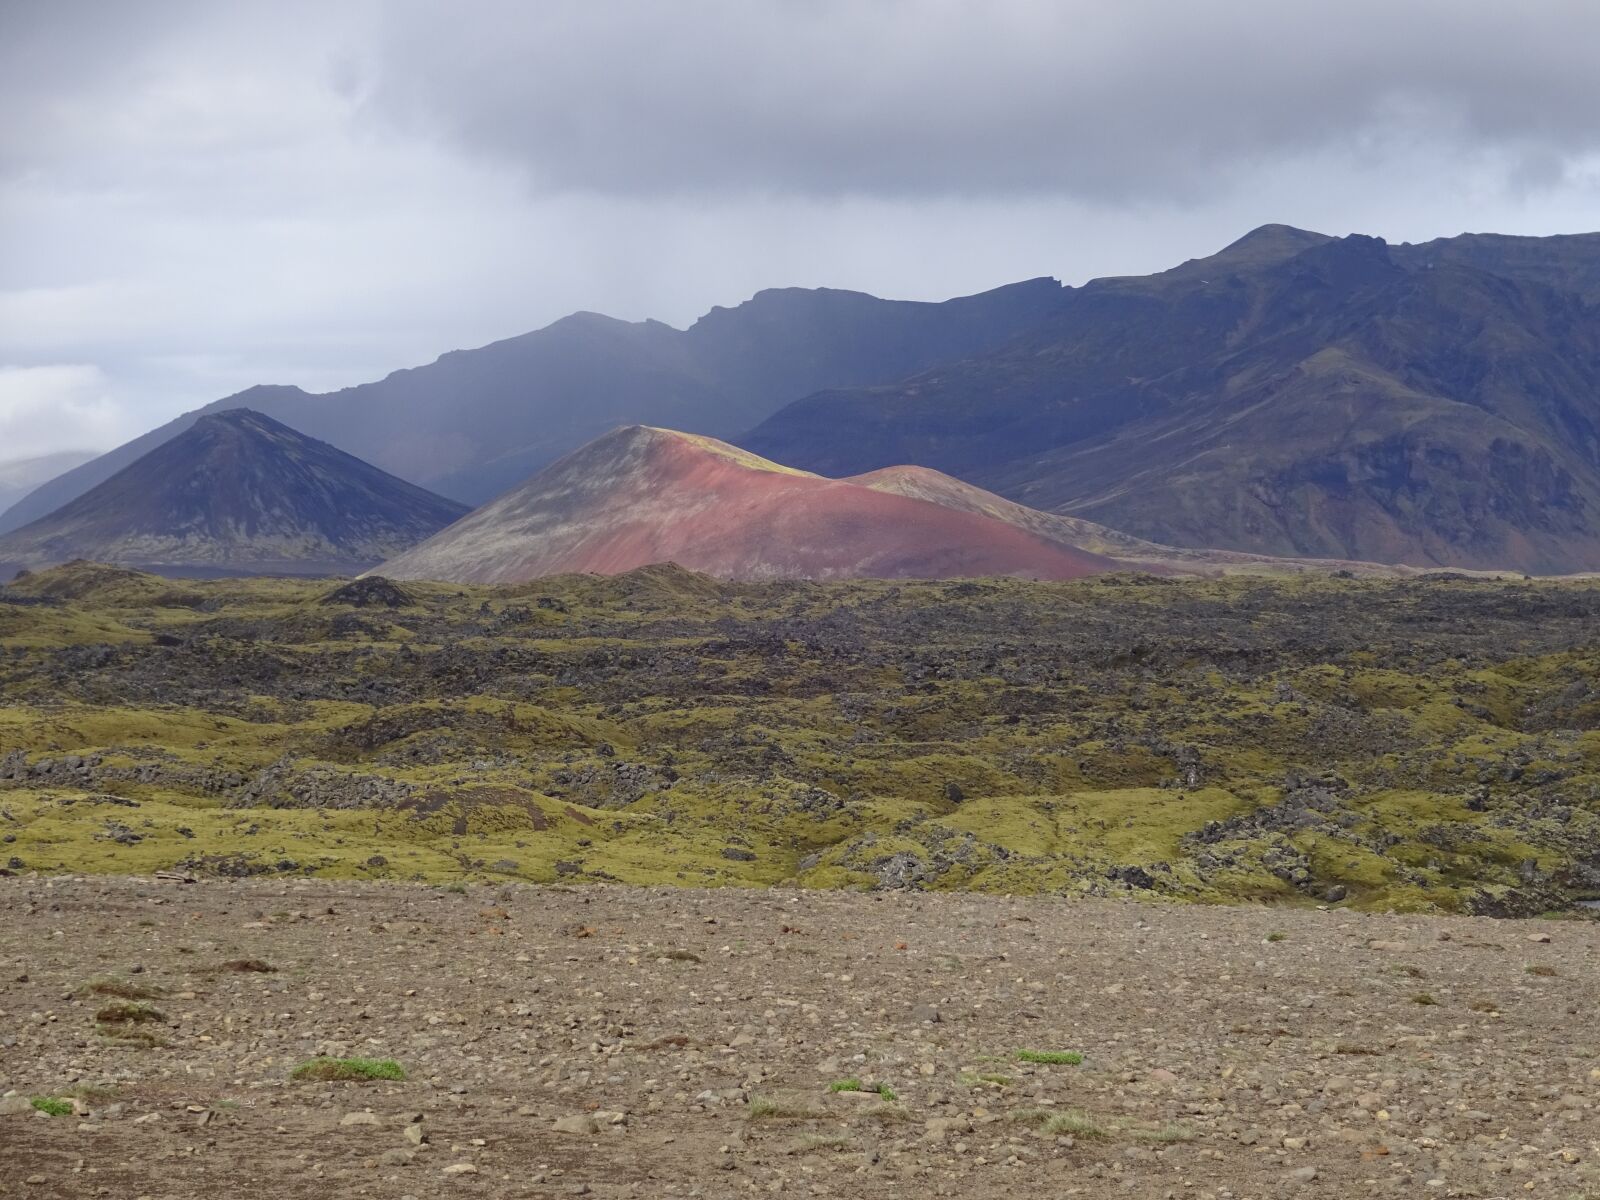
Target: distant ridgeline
(1293,395)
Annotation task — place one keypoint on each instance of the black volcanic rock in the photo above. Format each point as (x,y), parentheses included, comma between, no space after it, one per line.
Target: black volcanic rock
(1292,395)
(474,423)
(239,491)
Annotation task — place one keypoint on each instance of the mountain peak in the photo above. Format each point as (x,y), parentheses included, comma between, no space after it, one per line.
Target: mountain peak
(238,418)
(238,489)
(1276,240)
(1264,246)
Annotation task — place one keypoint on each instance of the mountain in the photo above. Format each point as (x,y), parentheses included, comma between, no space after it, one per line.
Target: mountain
(641,495)
(238,491)
(1294,394)
(19,476)
(475,422)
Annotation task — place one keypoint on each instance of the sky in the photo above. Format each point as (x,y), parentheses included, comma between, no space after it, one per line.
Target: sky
(196,197)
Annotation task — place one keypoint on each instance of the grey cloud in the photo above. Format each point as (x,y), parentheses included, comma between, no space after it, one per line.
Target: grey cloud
(1140,99)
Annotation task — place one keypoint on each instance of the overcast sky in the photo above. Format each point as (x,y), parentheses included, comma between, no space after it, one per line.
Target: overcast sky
(198,196)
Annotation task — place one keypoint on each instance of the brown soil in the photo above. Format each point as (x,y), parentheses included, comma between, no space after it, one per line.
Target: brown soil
(1242,1052)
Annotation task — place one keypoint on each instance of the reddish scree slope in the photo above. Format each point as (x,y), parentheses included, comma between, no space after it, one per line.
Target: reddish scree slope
(641,495)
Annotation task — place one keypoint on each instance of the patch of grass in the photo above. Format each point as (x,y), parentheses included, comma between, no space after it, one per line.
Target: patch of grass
(768,1108)
(1068,1058)
(1541,970)
(1355,1048)
(1030,1116)
(1424,998)
(855,1085)
(1275,936)
(133,1013)
(688,956)
(1077,1123)
(245,966)
(123,989)
(329,1069)
(52,1106)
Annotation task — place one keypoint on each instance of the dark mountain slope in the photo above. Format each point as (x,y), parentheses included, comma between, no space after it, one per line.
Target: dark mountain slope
(1292,395)
(239,490)
(1566,262)
(476,422)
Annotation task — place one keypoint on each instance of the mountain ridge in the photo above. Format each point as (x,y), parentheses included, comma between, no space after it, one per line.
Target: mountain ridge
(472,423)
(1341,400)
(1294,394)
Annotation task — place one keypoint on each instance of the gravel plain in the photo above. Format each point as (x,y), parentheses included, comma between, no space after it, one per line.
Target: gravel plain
(612,1041)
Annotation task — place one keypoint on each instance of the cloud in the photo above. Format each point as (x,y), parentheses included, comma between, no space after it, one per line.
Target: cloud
(62,407)
(1132,100)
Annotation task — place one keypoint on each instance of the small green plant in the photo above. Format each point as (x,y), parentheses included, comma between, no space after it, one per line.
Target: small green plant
(328,1069)
(1275,936)
(1423,998)
(1069,1058)
(132,1013)
(457,889)
(1542,971)
(52,1106)
(855,1085)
